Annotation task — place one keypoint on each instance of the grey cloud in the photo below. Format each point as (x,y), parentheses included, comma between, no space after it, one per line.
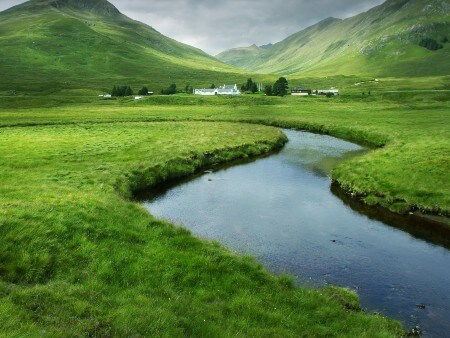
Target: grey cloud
(214,26)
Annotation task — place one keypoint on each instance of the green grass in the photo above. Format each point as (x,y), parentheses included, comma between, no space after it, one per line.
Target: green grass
(411,127)
(78,258)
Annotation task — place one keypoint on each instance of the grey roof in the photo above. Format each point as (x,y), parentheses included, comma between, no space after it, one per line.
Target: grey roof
(227,87)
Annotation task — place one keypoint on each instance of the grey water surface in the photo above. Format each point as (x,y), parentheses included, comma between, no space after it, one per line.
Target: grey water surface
(280,210)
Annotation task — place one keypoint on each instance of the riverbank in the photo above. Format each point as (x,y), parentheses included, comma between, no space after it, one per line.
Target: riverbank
(406,173)
(280,210)
(79,259)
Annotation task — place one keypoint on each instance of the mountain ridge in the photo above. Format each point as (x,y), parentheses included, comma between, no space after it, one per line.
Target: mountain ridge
(382,41)
(58,44)
(96,6)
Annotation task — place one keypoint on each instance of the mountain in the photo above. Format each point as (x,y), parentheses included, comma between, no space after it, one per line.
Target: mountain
(384,41)
(243,57)
(54,45)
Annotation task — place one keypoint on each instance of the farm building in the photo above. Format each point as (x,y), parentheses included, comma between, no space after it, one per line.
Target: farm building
(223,90)
(327,91)
(300,91)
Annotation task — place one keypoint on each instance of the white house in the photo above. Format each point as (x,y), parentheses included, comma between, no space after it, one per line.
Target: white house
(205,91)
(223,90)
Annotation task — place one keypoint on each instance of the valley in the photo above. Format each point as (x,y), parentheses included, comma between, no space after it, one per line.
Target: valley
(81,256)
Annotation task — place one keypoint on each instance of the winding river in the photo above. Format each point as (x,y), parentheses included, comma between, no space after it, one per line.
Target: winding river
(281,210)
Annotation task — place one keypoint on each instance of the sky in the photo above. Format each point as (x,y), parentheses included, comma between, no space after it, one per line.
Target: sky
(217,25)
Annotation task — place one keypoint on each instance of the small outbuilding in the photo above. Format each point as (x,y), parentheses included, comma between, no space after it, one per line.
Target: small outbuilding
(300,91)
(332,91)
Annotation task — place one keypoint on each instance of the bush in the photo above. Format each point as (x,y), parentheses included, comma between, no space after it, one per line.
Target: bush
(172,89)
(430,44)
(143,91)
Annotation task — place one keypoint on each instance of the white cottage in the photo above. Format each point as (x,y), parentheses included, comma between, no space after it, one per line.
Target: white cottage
(223,90)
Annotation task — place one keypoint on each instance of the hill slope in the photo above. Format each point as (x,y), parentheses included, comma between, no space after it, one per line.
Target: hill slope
(49,45)
(383,41)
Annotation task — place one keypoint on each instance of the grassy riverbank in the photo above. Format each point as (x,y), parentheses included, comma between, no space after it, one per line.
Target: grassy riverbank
(409,172)
(77,258)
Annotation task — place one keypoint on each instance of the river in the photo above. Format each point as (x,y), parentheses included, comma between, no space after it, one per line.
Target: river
(281,210)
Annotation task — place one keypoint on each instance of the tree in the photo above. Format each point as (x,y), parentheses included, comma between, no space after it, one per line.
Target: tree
(172,89)
(213,86)
(280,87)
(128,91)
(143,91)
(268,90)
(249,86)
(188,89)
(121,91)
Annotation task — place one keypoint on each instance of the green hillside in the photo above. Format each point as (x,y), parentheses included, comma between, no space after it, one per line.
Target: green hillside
(53,45)
(243,57)
(384,41)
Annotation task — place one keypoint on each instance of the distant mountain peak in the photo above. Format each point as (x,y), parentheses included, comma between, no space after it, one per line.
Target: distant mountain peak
(97,6)
(387,39)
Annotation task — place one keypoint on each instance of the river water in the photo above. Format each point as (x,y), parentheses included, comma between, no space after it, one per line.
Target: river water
(280,209)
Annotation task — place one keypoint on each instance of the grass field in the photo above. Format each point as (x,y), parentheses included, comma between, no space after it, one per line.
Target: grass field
(78,257)
(411,130)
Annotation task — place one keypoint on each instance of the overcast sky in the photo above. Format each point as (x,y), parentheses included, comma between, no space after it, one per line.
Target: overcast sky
(216,25)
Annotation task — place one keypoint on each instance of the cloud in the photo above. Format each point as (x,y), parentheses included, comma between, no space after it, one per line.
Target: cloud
(214,26)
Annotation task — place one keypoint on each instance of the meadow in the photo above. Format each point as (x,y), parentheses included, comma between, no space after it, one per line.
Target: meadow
(80,257)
